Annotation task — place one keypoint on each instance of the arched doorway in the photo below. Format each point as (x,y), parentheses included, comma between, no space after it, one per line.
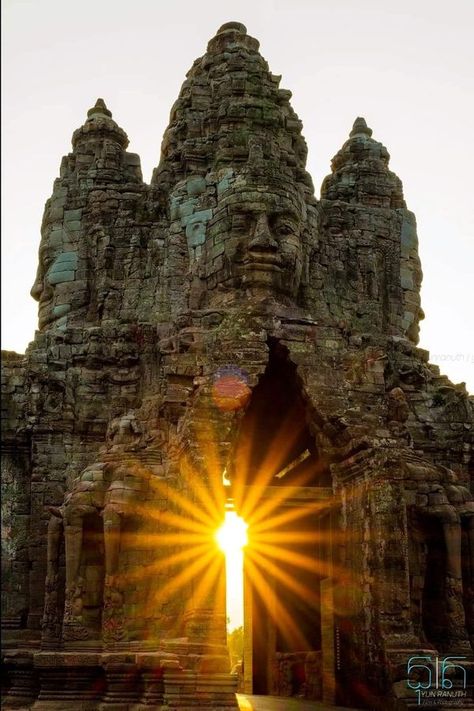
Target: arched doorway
(281,486)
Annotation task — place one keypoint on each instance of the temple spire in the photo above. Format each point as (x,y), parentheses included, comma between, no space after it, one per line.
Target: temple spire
(99,108)
(360,127)
(360,172)
(232,113)
(98,125)
(235,26)
(380,232)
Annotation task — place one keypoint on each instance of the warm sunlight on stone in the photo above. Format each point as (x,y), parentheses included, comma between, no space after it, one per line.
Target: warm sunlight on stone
(231,538)
(232,535)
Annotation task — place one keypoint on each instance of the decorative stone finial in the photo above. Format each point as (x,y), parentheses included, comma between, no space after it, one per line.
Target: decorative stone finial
(237,26)
(360,126)
(96,124)
(99,108)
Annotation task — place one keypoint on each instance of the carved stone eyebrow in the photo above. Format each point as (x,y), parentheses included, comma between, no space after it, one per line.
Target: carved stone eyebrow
(285,214)
(244,208)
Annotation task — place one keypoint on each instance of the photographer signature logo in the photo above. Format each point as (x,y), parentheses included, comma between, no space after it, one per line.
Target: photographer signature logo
(437,678)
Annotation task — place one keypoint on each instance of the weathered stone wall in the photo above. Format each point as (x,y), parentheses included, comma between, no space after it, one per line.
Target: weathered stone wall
(115,441)
(16,492)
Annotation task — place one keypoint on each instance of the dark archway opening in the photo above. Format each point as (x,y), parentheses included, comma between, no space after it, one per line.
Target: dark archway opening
(434,613)
(276,444)
(277,453)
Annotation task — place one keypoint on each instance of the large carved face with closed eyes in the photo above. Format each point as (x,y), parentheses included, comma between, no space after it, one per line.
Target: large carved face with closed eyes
(254,242)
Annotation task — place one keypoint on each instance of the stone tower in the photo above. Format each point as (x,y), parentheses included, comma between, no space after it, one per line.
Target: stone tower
(223,325)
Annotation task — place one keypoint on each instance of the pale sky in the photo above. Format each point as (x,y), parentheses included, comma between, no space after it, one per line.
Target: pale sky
(406,66)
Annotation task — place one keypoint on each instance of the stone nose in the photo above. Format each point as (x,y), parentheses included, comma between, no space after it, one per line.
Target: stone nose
(37,289)
(263,240)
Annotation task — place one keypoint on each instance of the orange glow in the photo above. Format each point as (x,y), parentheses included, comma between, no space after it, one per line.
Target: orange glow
(232,538)
(232,535)
(188,535)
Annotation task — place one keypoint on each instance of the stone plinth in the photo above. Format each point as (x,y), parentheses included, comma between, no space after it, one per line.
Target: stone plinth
(123,685)
(22,680)
(68,680)
(189,690)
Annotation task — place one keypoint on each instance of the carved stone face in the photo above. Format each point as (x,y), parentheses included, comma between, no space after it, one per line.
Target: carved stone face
(254,241)
(61,287)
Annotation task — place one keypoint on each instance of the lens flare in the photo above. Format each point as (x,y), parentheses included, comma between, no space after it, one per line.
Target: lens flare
(230,390)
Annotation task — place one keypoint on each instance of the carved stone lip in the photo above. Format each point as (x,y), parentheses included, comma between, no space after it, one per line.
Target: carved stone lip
(45,318)
(263,261)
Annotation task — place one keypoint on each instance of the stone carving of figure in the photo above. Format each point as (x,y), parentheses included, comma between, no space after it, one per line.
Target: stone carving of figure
(112,488)
(459,495)
(123,432)
(398,412)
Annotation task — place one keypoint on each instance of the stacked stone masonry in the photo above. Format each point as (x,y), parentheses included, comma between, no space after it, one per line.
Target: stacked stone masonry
(114,443)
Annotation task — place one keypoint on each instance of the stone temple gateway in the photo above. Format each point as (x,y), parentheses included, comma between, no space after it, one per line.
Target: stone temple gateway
(223,325)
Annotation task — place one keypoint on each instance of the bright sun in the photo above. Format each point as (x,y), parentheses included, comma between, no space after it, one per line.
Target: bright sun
(232,535)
